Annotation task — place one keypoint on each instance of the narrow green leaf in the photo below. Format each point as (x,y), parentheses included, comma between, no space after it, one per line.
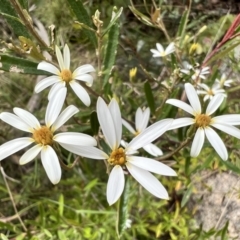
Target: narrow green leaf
(3,237)
(12,19)
(122,215)
(182,26)
(94,123)
(61,205)
(24,4)
(110,52)
(19,65)
(186,195)
(231,166)
(113,21)
(149,97)
(83,17)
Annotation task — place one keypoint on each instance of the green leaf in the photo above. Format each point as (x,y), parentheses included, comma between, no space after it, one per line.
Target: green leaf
(186,195)
(3,237)
(83,17)
(231,166)
(110,52)
(61,205)
(94,123)
(149,97)
(182,27)
(122,215)
(12,19)
(24,4)
(113,21)
(19,65)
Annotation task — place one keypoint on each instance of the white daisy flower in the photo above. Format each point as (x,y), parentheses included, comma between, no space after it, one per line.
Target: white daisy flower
(123,159)
(204,122)
(141,122)
(195,73)
(43,136)
(64,75)
(210,92)
(160,52)
(223,82)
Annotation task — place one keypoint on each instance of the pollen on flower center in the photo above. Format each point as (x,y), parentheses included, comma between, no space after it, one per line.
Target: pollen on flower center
(210,92)
(117,157)
(66,75)
(202,120)
(43,136)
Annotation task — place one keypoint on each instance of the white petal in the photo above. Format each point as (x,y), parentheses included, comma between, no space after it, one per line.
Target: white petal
(204,86)
(55,88)
(15,121)
(87,68)
(150,134)
(86,151)
(128,126)
(85,78)
(143,121)
(59,58)
(170,48)
(48,67)
(66,57)
(193,98)
(155,53)
(153,150)
(46,82)
(151,165)
(78,139)
(217,143)
(117,119)
(27,117)
(80,92)
(181,104)
(14,146)
(115,184)
(51,164)
(148,181)
(197,142)
(138,118)
(106,123)
(181,122)
(160,47)
(64,116)
(231,119)
(231,130)
(30,154)
(214,104)
(54,106)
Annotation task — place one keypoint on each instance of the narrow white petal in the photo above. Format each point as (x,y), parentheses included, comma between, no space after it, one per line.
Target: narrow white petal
(153,150)
(148,181)
(48,67)
(27,117)
(106,123)
(80,92)
(181,122)
(87,68)
(51,164)
(204,86)
(14,146)
(55,88)
(155,52)
(66,57)
(54,106)
(151,165)
(117,119)
(197,142)
(30,154)
(138,118)
(143,122)
(46,82)
(128,126)
(180,104)
(64,116)
(86,151)
(160,47)
(206,98)
(214,104)
(115,184)
(78,139)
(15,121)
(217,143)
(59,58)
(231,130)
(150,134)
(170,48)
(193,98)
(231,119)
(85,78)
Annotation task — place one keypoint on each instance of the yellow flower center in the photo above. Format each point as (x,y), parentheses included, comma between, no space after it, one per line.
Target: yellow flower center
(117,157)
(210,92)
(43,136)
(202,120)
(66,75)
